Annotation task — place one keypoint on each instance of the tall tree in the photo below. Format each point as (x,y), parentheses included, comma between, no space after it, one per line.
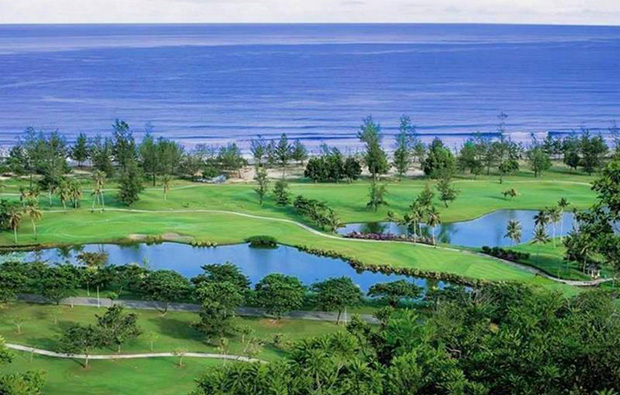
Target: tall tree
(35,214)
(99,178)
(539,238)
(539,160)
(219,302)
(447,191)
(299,152)
(374,156)
(117,327)
(149,156)
(130,184)
(165,287)
(263,184)
(337,294)
(124,145)
(440,161)
(514,231)
(376,195)
(402,151)
(80,339)
(562,206)
(433,219)
(79,151)
(282,152)
(280,190)
(278,294)
(231,159)
(101,152)
(14,217)
(258,148)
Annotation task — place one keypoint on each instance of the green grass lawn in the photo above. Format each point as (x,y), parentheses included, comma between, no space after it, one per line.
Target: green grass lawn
(173,330)
(477,197)
(156,375)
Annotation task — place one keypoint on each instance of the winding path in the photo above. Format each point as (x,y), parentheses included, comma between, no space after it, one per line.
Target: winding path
(54,354)
(529,269)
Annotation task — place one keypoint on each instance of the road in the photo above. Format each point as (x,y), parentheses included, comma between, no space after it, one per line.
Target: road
(190,307)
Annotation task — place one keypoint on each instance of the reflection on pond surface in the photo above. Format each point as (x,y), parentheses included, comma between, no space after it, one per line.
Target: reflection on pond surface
(487,230)
(255,263)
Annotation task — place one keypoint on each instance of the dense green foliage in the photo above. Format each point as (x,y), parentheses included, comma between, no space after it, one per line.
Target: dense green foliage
(499,339)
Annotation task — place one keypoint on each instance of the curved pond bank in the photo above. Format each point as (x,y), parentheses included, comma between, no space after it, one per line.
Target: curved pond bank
(255,263)
(488,230)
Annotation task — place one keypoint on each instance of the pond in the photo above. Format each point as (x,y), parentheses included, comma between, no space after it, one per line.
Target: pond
(488,230)
(255,263)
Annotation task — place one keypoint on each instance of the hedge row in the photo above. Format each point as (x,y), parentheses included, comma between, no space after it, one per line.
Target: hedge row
(389,237)
(509,255)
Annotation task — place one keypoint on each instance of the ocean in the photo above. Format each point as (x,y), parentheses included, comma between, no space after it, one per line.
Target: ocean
(217,83)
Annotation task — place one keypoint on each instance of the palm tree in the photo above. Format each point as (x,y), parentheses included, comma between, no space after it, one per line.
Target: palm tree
(34,193)
(166,183)
(64,193)
(514,231)
(75,190)
(562,205)
(433,219)
(99,181)
(542,218)
(540,237)
(332,221)
(15,218)
(35,214)
(554,214)
(418,212)
(23,196)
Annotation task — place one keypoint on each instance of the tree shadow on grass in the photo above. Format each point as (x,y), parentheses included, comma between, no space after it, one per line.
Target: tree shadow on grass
(177,329)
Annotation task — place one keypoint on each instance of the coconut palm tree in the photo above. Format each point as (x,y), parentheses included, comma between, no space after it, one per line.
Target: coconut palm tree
(166,183)
(418,212)
(34,193)
(14,216)
(514,231)
(64,193)
(542,218)
(540,237)
(75,191)
(99,184)
(433,219)
(23,195)
(562,205)
(35,215)
(554,214)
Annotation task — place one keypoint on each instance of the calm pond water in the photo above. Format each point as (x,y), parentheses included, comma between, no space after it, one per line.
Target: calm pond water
(255,263)
(488,230)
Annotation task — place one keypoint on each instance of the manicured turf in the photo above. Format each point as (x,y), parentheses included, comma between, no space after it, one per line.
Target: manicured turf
(477,197)
(173,330)
(155,376)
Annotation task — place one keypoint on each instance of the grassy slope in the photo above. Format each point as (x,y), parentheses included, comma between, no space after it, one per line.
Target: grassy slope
(159,375)
(174,330)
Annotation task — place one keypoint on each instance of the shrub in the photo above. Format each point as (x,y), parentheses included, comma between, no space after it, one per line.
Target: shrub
(509,255)
(262,242)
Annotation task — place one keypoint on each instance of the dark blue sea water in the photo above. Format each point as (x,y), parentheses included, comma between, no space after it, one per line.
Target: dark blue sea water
(210,83)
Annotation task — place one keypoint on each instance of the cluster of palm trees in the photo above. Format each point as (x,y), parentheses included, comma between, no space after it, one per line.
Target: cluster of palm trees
(15,215)
(550,215)
(419,212)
